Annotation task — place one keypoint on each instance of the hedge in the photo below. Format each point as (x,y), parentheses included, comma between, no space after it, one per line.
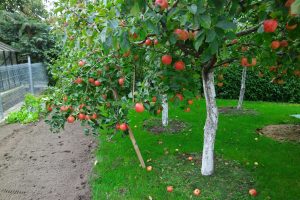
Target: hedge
(258,89)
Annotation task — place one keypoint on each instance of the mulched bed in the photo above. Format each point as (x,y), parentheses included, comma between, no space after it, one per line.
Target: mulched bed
(154,126)
(282,132)
(235,111)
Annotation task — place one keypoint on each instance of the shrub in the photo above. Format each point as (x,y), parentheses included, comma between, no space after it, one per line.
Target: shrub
(31,111)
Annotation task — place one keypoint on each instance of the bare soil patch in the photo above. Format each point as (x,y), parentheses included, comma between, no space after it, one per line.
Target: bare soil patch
(37,164)
(155,126)
(235,111)
(282,132)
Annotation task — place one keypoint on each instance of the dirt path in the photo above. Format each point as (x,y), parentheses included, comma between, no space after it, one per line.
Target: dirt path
(37,164)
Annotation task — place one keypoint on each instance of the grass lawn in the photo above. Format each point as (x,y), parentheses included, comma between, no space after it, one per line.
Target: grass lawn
(276,175)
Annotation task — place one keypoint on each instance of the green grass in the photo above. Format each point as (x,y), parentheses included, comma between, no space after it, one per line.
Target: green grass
(277,175)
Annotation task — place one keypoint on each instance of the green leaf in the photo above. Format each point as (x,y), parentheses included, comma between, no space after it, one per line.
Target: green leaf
(210,36)
(135,9)
(226,25)
(205,21)
(198,42)
(103,35)
(124,41)
(295,7)
(193,8)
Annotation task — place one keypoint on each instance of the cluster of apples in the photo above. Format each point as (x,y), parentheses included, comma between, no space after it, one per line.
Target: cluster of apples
(185,35)
(276,44)
(149,42)
(245,63)
(122,127)
(178,65)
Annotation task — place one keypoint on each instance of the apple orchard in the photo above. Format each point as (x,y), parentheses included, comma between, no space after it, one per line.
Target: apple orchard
(123,55)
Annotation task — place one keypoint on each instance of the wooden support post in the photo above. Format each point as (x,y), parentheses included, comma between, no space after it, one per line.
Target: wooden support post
(136,148)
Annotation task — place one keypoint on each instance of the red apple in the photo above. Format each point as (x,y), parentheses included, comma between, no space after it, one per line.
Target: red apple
(78,80)
(139,107)
(154,99)
(284,43)
(252,192)
(158,111)
(275,44)
(190,158)
(91,80)
(179,65)
(234,41)
(197,192)
(49,108)
(148,42)
(81,106)
(155,42)
(170,189)
(121,81)
(188,109)
(166,59)
(244,49)
(118,126)
(162,3)
(64,108)
(270,25)
(97,83)
(87,117)
(123,127)
(179,96)
(94,116)
(254,62)
(81,63)
(190,102)
(290,27)
(182,34)
(135,35)
(104,96)
(244,62)
(71,119)
(81,116)
(126,54)
(149,168)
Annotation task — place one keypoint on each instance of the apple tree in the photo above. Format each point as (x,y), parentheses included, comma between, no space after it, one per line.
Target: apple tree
(173,44)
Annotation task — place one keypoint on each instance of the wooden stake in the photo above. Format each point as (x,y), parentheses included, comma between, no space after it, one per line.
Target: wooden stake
(136,148)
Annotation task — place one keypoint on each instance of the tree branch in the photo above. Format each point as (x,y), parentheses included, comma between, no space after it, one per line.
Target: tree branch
(248,31)
(187,50)
(230,60)
(173,6)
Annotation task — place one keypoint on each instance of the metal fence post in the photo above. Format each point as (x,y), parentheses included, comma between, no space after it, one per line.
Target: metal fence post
(30,75)
(1,108)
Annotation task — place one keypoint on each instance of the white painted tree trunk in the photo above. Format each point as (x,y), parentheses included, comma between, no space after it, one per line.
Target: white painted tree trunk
(165,110)
(211,123)
(243,88)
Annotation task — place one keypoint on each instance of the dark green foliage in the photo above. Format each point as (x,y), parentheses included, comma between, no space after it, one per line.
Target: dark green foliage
(28,35)
(258,89)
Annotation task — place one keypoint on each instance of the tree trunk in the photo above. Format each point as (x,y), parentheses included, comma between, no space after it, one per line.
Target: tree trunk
(136,148)
(243,88)
(211,123)
(165,117)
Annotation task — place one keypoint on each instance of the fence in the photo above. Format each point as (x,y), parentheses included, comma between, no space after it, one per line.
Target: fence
(17,80)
